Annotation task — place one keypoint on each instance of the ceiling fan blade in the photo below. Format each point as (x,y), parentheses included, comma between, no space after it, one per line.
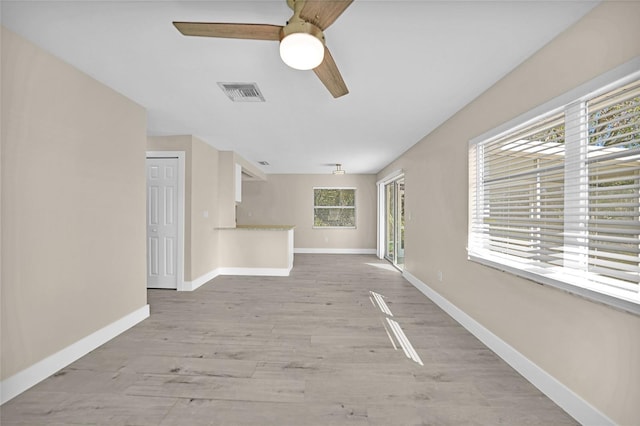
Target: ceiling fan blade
(328,73)
(323,13)
(245,31)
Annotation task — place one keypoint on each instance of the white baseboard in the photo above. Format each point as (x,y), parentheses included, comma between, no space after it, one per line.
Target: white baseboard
(192,285)
(23,380)
(272,272)
(568,400)
(334,251)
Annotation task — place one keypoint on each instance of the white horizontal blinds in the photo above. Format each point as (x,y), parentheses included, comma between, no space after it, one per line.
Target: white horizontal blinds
(574,250)
(520,194)
(475,233)
(613,164)
(561,196)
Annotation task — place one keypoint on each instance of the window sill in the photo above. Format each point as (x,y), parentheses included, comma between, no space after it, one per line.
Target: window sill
(620,301)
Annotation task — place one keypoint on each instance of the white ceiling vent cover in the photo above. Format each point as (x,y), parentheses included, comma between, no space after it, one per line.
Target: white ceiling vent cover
(242,92)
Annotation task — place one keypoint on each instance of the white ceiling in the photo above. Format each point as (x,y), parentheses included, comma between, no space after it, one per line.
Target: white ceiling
(409,66)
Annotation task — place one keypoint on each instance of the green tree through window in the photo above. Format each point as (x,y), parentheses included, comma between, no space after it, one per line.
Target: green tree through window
(334,207)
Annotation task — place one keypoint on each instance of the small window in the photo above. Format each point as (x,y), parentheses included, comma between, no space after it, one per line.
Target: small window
(334,207)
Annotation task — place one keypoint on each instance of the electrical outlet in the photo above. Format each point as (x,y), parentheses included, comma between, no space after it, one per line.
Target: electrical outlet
(439,275)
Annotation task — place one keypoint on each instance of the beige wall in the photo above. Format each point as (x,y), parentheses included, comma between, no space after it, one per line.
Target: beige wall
(73,205)
(226,189)
(202,203)
(288,200)
(250,168)
(589,347)
(228,182)
(254,248)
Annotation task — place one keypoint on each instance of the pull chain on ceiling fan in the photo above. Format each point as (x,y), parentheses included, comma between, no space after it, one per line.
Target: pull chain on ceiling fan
(302,43)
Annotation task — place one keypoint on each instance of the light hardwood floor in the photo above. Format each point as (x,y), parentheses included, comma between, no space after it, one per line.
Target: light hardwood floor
(309,349)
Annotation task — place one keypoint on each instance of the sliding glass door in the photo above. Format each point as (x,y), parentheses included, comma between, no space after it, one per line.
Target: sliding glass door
(394,222)
(390,213)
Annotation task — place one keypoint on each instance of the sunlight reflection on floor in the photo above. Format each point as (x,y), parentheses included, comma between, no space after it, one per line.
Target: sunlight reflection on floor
(386,266)
(393,329)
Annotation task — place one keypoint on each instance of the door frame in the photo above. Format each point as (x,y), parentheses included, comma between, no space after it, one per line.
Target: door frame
(382,216)
(180,155)
(382,223)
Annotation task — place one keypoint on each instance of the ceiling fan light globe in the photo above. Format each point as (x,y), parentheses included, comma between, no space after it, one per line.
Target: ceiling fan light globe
(301,51)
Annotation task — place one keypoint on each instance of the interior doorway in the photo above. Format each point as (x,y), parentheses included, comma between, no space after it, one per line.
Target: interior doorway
(393,214)
(165,220)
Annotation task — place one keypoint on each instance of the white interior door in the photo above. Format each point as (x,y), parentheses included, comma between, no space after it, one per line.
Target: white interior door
(162,222)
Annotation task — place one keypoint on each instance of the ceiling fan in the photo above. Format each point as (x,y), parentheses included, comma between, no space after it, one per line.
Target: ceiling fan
(302,43)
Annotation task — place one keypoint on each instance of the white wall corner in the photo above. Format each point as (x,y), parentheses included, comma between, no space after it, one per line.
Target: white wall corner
(265,272)
(29,377)
(568,400)
(192,285)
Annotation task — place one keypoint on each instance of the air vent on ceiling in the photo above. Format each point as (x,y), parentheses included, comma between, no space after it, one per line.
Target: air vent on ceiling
(242,92)
(263,163)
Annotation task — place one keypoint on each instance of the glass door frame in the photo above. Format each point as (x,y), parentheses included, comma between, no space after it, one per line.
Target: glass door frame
(394,179)
(390,214)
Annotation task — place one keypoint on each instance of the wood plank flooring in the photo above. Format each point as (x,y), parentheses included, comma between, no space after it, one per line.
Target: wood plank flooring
(309,349)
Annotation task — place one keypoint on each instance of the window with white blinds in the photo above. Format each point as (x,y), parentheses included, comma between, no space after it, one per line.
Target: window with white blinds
(558,199)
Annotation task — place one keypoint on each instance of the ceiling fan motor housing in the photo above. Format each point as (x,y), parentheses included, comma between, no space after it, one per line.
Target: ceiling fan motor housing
(298,25)
(301,44)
